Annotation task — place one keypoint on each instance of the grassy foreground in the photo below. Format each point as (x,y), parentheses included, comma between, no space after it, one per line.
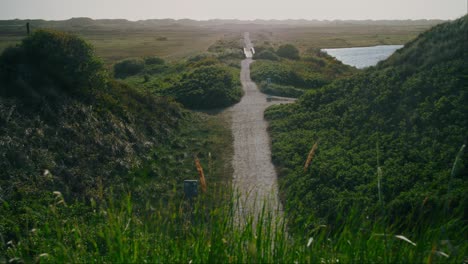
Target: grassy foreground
(120,230)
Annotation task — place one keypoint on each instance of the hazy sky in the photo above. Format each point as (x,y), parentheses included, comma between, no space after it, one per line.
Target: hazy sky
(240,9)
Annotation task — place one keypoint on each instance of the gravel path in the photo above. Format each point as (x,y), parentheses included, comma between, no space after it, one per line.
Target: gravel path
(255,177)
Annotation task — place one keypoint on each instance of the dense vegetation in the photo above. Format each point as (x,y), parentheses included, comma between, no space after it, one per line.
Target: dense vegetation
(207,87)
(288,51)
(119,39)
(390,144)
(205,81)
(47,64)
(128,67)
(67,128)
(227,49)
(92,171)
(292,76)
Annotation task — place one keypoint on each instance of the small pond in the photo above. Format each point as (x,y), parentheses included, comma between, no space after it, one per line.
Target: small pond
(361,57)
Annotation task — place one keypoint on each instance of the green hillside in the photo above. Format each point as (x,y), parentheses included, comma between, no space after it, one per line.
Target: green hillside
(67,127)
(393,131)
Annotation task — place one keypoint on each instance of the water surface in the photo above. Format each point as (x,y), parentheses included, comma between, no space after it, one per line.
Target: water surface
(361,57)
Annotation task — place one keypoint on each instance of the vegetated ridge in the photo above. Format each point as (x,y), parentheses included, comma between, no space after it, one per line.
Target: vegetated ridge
(389,142)
(286,72)
(66,126)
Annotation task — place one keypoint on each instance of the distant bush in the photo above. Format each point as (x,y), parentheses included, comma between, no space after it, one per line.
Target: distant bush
(277,72)
(153,60)
(225,44)
(200,57)
(128,67)
(230,54)
(207,87)
(288,51)
(260,48)
(312,72)
(48,63)
(266,55)
(204,59)
(316,60)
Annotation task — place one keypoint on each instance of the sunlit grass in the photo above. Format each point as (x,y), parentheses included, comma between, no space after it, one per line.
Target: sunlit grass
(121,230)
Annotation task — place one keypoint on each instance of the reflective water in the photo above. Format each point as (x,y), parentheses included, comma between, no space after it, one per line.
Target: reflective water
(361,57)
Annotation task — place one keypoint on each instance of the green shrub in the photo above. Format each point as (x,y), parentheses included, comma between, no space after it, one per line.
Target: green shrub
(230,54)
(207,87)
(266,55)
(208,61)
(128,67)
(203,59)
(312,72)
(48,63)
(153,60)
(266,47)
(288,51)
(277,72)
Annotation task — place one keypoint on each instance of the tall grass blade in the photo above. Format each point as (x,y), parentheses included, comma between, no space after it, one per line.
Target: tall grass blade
(405,239)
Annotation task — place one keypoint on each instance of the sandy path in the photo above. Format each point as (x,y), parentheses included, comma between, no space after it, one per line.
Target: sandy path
(254,176)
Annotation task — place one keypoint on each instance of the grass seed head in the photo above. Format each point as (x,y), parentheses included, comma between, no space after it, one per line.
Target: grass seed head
(201,174)
(310,157)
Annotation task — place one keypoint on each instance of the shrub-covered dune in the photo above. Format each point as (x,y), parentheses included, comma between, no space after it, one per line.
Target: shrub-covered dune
(388,140)
(292,75)
(66,126)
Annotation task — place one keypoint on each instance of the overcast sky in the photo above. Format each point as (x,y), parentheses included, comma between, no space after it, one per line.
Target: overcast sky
(239,9)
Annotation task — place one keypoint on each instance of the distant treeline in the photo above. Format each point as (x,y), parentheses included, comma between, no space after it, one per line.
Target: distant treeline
(88,23)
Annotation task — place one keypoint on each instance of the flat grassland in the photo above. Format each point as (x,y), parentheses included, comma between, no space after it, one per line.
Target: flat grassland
(120,40)
(341,35)
(116,45)
(116,39)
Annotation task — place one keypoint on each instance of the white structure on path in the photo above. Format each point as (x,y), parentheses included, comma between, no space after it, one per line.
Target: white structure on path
(249,50)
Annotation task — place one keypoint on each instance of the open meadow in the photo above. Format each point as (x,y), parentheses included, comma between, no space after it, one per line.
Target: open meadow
(342,34)
(115,40)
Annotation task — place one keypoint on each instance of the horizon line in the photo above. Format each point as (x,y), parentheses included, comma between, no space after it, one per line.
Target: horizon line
(242,20)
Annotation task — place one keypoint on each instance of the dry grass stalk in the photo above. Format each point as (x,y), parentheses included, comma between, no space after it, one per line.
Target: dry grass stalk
(310,157)
(202,175)
(429,260)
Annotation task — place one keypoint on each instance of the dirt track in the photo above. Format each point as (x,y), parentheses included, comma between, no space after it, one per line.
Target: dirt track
(254,175)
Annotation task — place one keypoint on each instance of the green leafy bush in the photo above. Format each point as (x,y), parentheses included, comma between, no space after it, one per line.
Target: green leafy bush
(128,67)
(266,55)
(203,59)
(288,51)
(293,74)
(48,63)
(153,61)
(207,87)
(293,78)
(277,72)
